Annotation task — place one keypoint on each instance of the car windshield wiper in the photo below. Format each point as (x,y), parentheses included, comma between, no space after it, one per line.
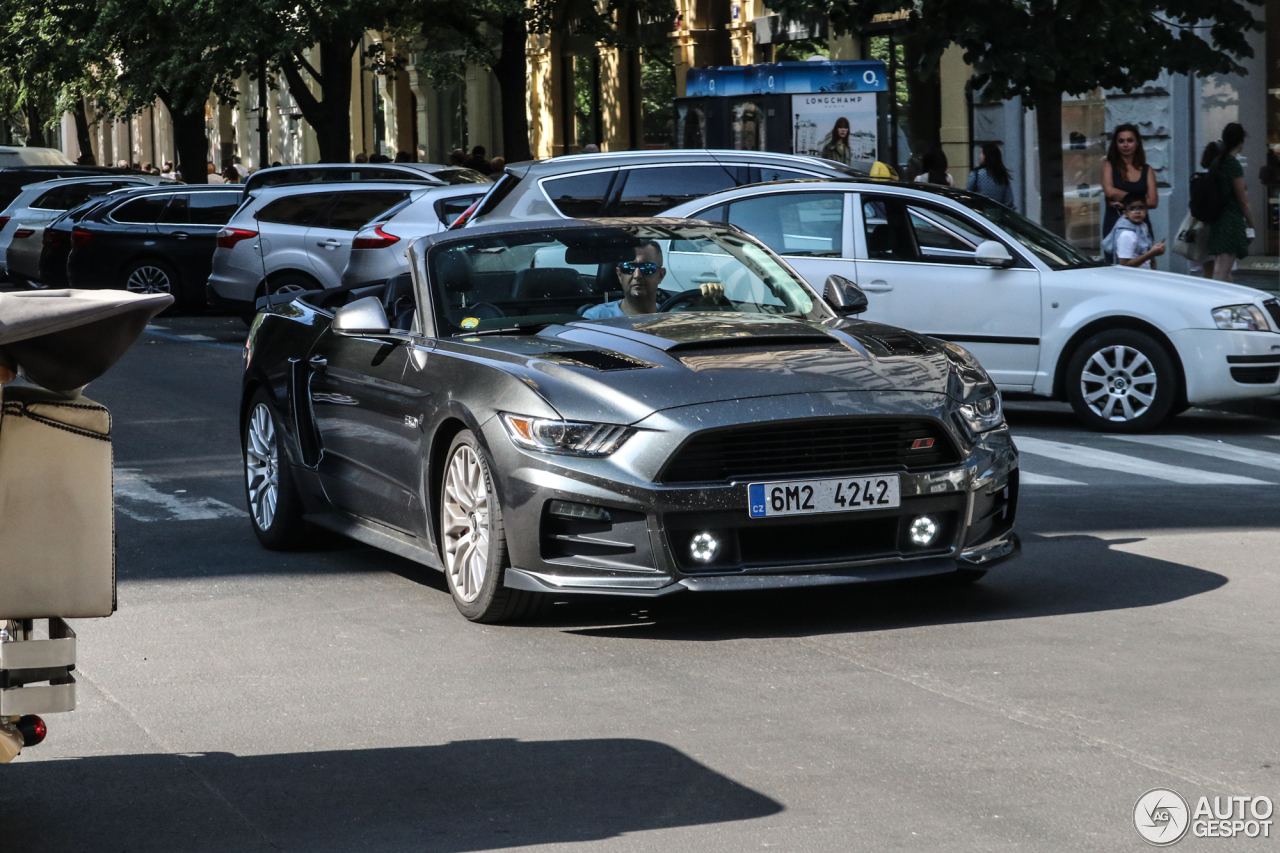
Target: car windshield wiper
(517,329)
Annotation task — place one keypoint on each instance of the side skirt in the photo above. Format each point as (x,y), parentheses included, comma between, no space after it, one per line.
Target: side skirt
(377,536)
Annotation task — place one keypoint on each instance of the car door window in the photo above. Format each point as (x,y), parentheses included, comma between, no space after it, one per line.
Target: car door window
(176,213)
(577,196)
(943,237)
(888,229)
(763,174)
(353,209)
(142,211)
(795,223)
(651,191)
(294,209)
(213,208)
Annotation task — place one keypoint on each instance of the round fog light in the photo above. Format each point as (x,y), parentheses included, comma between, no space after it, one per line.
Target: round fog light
(703,547)
(923,529)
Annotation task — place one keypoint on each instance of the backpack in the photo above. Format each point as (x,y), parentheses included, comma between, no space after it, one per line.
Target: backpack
(1207,198)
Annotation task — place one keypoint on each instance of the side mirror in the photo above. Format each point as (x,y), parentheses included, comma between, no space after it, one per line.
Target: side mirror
(364,318)
(845,297)
(992,254)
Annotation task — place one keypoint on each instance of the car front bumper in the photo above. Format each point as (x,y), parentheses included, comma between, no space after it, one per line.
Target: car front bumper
(1222,365)
(642,549)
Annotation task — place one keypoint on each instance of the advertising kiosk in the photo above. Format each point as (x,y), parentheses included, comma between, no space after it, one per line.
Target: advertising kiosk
(823,109)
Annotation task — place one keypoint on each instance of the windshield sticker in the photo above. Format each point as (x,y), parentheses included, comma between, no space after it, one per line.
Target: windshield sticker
(470,322)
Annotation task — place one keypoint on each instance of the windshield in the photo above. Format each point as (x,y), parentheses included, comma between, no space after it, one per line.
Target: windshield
(1056,252)
(530,279)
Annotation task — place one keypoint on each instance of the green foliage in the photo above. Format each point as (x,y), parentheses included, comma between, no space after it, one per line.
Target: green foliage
(658,92)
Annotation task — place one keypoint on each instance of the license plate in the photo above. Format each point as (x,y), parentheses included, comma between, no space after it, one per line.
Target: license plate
(811,497)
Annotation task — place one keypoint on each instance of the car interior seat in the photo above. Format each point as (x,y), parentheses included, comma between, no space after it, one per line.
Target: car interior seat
(399,300)
(547,283)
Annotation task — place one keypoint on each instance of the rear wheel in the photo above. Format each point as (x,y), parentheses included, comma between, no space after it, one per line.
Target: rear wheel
(291,282)
(275,509)
(474,540)
(1122,380)
(150,275)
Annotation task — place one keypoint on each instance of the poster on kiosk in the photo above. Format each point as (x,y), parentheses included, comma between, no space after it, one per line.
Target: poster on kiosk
(823,109)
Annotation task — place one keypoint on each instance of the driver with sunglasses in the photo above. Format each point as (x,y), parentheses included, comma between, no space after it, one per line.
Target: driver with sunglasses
(640,279)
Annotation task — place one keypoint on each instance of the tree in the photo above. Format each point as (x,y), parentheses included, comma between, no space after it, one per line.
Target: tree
(1044,49)
(179,51)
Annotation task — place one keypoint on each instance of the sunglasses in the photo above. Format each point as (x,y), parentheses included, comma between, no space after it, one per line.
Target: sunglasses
(645,268)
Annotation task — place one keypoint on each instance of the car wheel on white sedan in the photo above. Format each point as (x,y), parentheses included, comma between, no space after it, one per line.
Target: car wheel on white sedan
(473,539)
(1122,380)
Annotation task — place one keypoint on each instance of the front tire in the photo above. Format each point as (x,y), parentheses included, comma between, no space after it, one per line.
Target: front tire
(1122,380)
(473,539)
(275,510)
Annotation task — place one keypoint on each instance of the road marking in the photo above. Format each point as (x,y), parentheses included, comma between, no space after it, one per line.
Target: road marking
(1090,457)
(1205,447)
(1027,478)
(141,501)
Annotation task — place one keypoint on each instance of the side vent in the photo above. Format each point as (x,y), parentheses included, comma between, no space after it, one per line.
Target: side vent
(597,360)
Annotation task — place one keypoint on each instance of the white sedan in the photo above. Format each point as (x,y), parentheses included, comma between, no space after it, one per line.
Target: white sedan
(1127,347)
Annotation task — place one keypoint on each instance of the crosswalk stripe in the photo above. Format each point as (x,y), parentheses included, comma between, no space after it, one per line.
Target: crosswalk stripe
(1205,447)
(1029,478)
(1090,457)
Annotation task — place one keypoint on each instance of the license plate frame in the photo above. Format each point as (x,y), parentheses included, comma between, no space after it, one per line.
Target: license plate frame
(823,496)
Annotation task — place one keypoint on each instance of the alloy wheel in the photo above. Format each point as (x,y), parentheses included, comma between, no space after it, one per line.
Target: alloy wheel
(1118,383)
(148,279)
(262,466)
(466,524)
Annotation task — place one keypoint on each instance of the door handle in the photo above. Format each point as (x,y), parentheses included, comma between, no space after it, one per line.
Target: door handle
(180,235)
(878,285)
(318,362)
(329,244)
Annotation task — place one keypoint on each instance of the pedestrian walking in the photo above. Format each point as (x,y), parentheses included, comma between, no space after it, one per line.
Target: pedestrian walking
(362,157)
(1233,228)
(1192,240)
(242,171)
(230,175)
(591,148)
(457,157)
(214,177)
(498,165)
(1132,240)
(935,171)
(1125,171)
(991,178)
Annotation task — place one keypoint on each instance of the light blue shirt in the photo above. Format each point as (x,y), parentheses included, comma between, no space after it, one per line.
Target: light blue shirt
(608,309)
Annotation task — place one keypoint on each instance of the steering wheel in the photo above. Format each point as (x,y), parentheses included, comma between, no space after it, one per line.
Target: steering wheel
(688,297)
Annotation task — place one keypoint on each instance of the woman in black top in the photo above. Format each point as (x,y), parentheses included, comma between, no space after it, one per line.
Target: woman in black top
(1126,171)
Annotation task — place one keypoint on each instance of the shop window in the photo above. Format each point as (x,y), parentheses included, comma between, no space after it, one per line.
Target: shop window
(1084,147)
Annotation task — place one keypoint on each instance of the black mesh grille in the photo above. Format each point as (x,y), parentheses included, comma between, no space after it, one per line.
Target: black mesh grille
(830,446)
(1255,375)
(1273,308)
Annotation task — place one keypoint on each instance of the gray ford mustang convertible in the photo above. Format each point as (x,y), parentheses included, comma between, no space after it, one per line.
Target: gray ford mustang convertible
(632,407)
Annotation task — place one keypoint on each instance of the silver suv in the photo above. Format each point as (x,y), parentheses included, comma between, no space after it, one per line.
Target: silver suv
(636,183)
(378,252)
(293,238)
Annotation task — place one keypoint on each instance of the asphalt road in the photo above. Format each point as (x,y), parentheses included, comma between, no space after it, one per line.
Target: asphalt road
(334,700)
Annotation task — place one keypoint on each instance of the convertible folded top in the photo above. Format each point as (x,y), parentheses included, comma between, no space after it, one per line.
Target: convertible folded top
(64,339)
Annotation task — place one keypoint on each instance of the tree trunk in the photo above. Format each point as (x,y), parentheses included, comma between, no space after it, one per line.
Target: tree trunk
(1049,137)
(35,128)
(330,115)
(191,142)
(82,133)
(513,85)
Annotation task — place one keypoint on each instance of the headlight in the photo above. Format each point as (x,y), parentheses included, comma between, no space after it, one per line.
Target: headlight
(565,437)
(1240,318)
(982,415)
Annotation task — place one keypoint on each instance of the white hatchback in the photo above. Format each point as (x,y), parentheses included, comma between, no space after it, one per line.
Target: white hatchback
(1126,347)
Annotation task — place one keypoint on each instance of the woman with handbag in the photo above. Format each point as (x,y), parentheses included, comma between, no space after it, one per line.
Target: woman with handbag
(1233,229)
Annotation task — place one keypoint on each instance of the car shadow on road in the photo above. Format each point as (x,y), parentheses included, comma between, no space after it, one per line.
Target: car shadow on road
(461,796)
(1055,576)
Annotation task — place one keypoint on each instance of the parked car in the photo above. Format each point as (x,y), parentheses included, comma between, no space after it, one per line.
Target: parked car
(635,183)
(156,240)
(1127,347)
(750,437)
(378,251)
(327,173)
(38,204)
(20,155)
(22,166)
(293,238)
